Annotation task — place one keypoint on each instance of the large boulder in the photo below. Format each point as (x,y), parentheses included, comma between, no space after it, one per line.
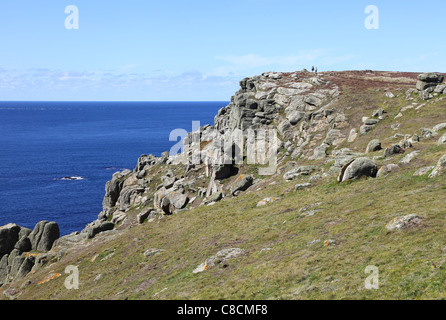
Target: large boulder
(422,85)
(427,83)
(358,168)
(432,77)
(242,183)
(295,116)
(44,235)
(9,235)
(440,88)
(98,228)
(169,180)
(393,149)
(178,199)
(374,145)
(169,200)
(364,129)
(313,100)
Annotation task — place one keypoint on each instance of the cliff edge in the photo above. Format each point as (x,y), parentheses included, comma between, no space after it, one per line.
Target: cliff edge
(303,181)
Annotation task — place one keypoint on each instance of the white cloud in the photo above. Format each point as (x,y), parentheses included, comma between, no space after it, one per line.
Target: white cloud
(46,84)
(236,65)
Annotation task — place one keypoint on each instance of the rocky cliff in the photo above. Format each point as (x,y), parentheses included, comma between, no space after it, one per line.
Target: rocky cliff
(309,129)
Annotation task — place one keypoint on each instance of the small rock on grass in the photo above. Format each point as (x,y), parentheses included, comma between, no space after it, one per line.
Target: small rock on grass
(266,201)
(220,258)
(403,222)
(423,171)
(151,252)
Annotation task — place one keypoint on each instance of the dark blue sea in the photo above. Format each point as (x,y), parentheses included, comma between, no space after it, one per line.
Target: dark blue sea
(43,142)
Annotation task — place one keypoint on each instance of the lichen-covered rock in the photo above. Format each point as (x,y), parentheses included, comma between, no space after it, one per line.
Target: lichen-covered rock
(242,183)
(423,171)
(393,149)
(299,171)
(408,158)
(178,199)
(221,258)
(428,133)
(386,169)
(442,140)
(266,201)
(440,168)
(440,126)
(403,222)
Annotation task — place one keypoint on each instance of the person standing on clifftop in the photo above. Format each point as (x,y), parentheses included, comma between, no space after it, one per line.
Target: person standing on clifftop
(312,69)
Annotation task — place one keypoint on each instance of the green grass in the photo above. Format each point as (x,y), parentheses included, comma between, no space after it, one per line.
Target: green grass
(411,262)
(353,214)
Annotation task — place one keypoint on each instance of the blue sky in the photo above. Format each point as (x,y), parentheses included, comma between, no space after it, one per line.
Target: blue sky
(199,50)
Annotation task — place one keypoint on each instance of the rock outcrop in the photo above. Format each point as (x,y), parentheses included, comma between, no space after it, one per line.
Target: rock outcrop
(429,83)
(16,242)
(44,235)
(296,123)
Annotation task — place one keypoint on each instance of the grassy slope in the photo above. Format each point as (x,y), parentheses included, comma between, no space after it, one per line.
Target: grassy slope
(411,262)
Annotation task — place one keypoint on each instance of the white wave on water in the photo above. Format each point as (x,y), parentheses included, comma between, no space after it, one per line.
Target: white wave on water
(73,178)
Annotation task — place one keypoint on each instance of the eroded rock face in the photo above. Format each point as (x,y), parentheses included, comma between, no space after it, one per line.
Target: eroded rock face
(9,235)
(15,244)
(113,189)
(144,162)
(44,235)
